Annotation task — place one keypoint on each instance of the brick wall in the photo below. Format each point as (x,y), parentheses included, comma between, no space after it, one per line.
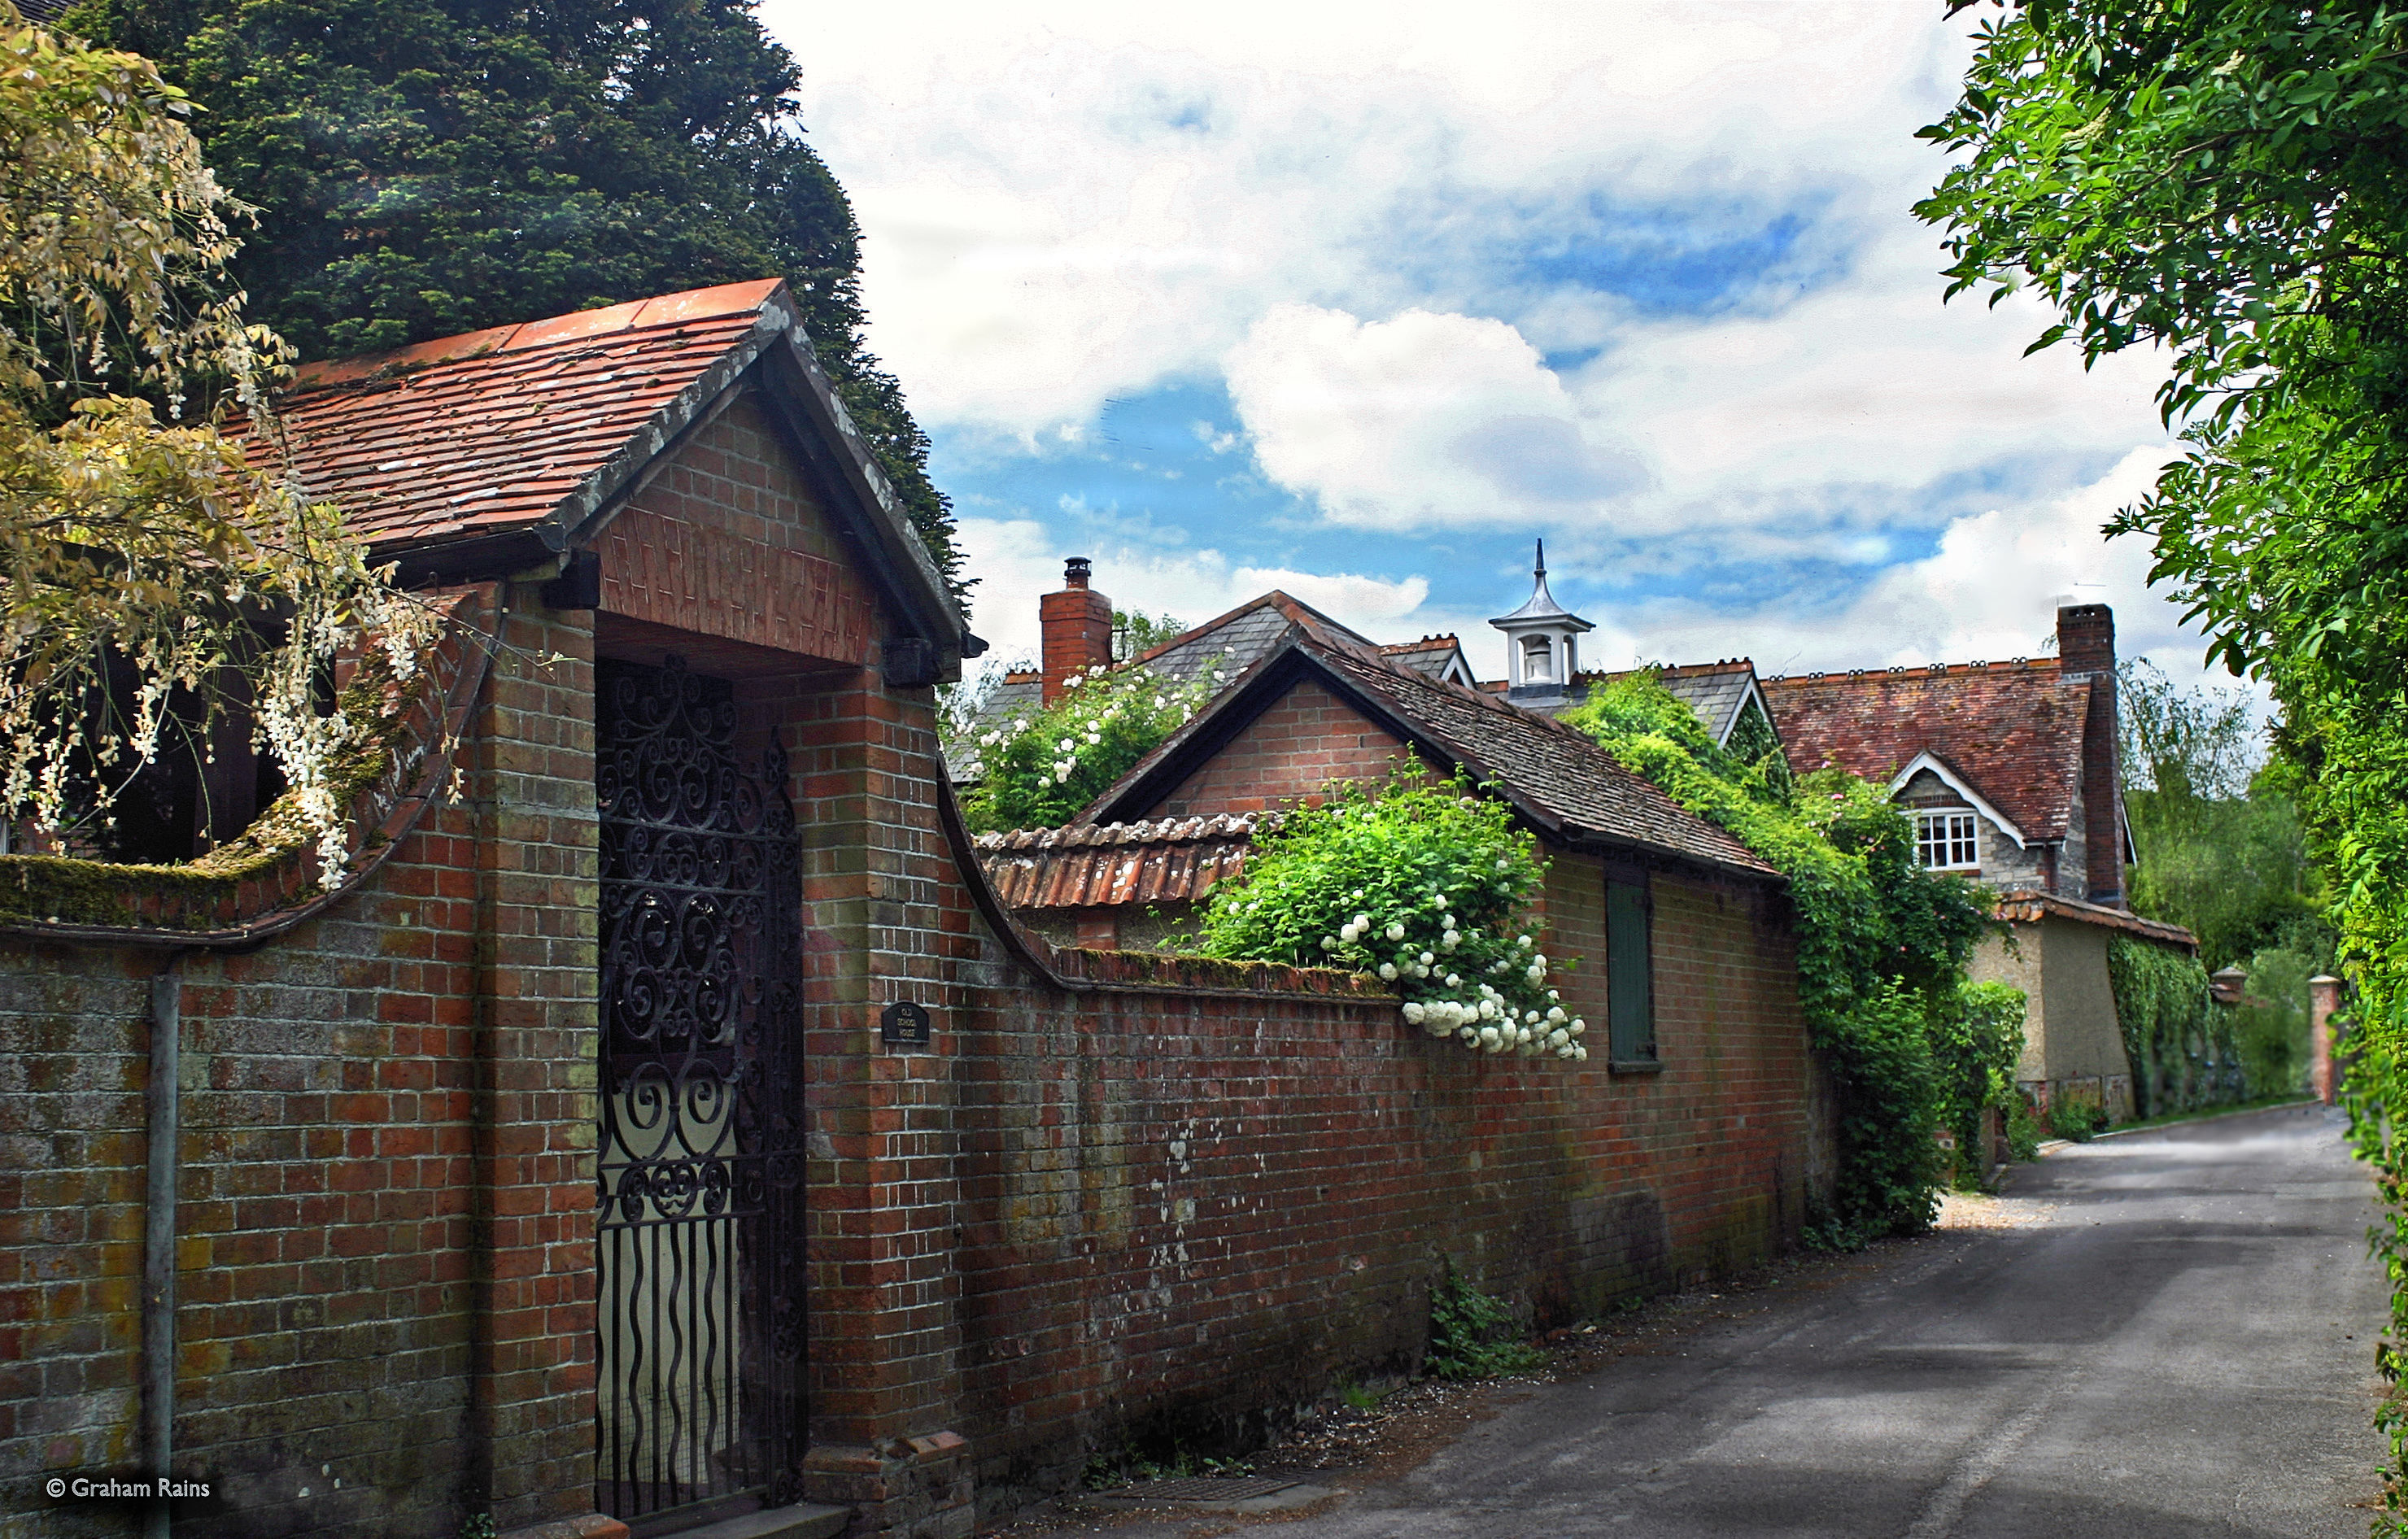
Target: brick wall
(385,1207)
(1295,748)
(1177,1198)
(2085,644)
(1183,1212)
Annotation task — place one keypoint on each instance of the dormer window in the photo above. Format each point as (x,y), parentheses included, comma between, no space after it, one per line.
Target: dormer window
(1947,840)
(1538,661)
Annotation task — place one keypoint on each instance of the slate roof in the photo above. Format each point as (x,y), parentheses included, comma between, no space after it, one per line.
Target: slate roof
(1715,691)
(1243,636)
(1231,642)
(2014,731)
(1431,655)
(520,440)
(1562,783)
(1172,860)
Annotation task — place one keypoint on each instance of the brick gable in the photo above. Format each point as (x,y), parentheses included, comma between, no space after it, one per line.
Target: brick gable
(1290,752)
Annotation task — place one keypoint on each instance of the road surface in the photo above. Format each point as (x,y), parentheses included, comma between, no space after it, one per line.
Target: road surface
(2163,1334)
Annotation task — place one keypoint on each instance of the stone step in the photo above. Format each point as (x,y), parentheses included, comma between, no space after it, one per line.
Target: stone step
(803,1520)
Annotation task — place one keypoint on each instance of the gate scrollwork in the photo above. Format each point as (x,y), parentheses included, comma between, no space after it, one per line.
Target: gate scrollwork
(699,1404)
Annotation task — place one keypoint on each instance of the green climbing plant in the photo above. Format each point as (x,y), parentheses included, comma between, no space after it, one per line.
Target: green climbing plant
(1882,943)
(2177,1038)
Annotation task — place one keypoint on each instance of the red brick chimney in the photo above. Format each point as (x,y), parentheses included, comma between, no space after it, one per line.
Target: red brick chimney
(2085,644)
(1077,627)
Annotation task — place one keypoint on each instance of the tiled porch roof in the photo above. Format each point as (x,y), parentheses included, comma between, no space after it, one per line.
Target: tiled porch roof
(2029,905)
(500,430)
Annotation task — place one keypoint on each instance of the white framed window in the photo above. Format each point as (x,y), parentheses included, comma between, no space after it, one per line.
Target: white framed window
(1947,841)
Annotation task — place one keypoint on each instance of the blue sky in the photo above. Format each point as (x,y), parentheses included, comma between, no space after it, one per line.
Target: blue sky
(1359,301)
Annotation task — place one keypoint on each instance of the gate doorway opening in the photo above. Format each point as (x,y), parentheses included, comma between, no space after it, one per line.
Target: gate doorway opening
(700,1302)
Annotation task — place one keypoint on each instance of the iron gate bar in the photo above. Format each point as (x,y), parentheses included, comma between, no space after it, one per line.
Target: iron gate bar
(698,1409)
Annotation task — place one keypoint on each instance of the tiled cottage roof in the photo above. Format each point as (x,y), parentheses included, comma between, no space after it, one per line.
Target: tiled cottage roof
(2012,731)
(1559,780)
(498,429)
(2029,905)
(1172,860)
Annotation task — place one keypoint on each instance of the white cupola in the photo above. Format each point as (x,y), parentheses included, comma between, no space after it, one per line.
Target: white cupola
(1541,642)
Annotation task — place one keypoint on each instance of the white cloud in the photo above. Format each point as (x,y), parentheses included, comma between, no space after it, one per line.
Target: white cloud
(1424,419)
(1056,212)
(1989,593)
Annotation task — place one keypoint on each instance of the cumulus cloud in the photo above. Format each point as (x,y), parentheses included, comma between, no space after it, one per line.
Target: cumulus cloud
(1989,593)
(1418,248)
(1424,419)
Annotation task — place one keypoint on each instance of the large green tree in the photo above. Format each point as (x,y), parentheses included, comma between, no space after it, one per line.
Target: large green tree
(429,168)
(2226,180)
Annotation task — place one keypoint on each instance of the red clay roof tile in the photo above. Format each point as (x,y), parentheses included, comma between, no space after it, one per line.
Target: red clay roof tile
(494,430)
(2012,730)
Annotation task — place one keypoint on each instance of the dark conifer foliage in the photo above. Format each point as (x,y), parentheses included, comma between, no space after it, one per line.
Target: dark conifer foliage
(429,168)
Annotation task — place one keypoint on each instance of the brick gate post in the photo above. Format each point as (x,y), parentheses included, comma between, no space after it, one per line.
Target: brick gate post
(2324,998)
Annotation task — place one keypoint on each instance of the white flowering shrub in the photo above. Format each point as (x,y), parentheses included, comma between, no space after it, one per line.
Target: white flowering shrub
(1040,769)
(152,577)
(1427,886)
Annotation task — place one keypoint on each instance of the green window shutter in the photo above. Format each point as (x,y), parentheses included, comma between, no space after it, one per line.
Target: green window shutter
(1629,974)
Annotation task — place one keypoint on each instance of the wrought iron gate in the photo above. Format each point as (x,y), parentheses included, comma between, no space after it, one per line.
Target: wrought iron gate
(699,1404)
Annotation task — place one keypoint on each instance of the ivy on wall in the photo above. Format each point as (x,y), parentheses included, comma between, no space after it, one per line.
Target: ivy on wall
(1882,943)
(2178,1039)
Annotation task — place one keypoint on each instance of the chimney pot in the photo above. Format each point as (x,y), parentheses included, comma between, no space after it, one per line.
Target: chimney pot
(1075,570)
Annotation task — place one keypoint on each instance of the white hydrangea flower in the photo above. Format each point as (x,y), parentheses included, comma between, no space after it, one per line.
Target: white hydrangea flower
(1454,980)
(1429,957)
(1555,1012)
(1395,931)
(1414,1013)
(1522,941)
(1388,974)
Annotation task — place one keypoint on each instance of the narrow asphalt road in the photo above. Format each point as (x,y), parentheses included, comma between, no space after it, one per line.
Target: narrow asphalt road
(2165,1333)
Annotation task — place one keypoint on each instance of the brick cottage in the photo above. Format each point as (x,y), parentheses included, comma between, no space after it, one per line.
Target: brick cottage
(658,1125)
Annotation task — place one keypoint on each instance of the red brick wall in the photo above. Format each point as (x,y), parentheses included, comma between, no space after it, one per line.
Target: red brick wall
(1179,1200)
(1181,1213)
(2085,644)
(1307,739)
(727,542)
(385,1212)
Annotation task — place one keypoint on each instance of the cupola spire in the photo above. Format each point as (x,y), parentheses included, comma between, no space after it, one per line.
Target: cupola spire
(1541,641)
